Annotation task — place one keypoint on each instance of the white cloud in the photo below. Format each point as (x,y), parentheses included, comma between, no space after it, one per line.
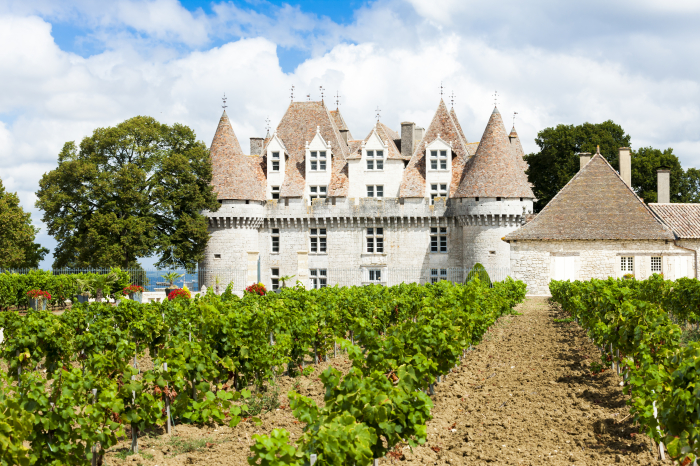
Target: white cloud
(393,56)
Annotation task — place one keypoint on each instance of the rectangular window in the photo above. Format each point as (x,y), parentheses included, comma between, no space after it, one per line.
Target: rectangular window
(375,275)
(275,278)
(275,240)
(275,161)
(375,160)
(318,240)
(318,160)
(319,278)
(438,239)
(317,192)
(656,265)
(375,191)
(375,240)
(275,192)
(437,275)
(443,160)
(627,264)
(437,190)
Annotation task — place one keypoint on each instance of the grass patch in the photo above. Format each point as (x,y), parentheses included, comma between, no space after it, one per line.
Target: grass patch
(193,444)
(689,336)
(264,402)
(122,454)
(565,320)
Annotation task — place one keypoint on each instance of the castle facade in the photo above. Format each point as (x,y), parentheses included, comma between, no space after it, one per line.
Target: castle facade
(312,202)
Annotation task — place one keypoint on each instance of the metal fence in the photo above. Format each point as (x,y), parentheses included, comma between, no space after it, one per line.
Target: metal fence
(219,278)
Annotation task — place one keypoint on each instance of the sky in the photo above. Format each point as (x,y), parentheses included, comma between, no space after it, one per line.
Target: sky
(68,67)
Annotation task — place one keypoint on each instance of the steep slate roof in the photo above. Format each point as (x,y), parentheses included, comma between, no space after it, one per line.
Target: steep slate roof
(340,122)
(472,147)
(233,174)
(595,205)
(517,148)
(413,183)
(298,126)
(459,127)
(388,136)
(683,219)
(494,170)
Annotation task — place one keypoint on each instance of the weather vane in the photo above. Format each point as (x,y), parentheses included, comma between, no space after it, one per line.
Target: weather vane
(267,124)
(308,97)
(224,99)
(337,99)
(378,113)
(321,89)
(514,113)
(441,88)
(292,89)
(495,98)
(452,99)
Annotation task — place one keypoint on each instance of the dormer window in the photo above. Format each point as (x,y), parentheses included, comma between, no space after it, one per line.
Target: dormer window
(318,160)
(375,160)
(438,158)
(275,161)
(437,190)
(316,192)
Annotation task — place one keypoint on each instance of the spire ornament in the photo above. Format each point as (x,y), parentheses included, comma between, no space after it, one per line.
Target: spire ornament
(495,98)
(337,100)
(292,90)
(224,100)
(321,89)
(514,113)
(452,99)
(441,90)
(378,113)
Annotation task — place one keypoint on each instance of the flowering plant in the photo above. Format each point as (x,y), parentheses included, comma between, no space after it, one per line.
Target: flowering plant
(179,293)
(133,289)
(257,288)
(38,294)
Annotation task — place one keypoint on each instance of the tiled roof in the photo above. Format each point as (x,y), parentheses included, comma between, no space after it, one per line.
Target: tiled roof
(233,174)
(494,170)
(517,147)
(472,147)
(298,126)
(413,183)
(595,205)
(387,135)
(683,219)
(459,127)
(340,122)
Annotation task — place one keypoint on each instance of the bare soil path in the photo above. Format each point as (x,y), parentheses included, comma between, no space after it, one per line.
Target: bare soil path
(524,396)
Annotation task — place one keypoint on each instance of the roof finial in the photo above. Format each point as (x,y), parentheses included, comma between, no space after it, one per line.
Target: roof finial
(441,89)
(452,99)
(292,93)
(224,105)
(495,98)
(267,125)
(378,113)
(321,89)
(597,149)
(337,100)
(514,113)
(308,97)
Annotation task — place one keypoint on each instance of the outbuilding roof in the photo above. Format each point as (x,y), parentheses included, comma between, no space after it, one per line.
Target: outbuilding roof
(683,219)
(387,135)
(444,126)
(595,205)
(494,171)
(234,175)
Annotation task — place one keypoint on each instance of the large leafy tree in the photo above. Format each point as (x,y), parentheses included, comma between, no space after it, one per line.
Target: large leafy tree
(130,191)
(558,161)
(645,162)
(17,234)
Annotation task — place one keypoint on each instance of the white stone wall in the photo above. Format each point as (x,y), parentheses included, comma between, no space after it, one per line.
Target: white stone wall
(693,244)
(483,244)
(532,261)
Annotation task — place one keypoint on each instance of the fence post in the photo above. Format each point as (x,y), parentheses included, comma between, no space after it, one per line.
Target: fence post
(168,428)
(94,446)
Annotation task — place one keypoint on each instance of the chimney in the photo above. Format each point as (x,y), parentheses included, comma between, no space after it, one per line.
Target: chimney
(407,138)
(663,187)
(344,135)
(584,158)
(418,134)
(626,165)
(256,146)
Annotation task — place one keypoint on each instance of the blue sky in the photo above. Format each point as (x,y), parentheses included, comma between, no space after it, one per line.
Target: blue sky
(68,67)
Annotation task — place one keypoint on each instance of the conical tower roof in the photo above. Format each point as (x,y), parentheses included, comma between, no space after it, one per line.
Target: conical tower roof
(443,126)
(494,170)
(517,147)
(595,205)
(233,174)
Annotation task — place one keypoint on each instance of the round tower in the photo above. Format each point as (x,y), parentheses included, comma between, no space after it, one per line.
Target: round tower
(238,180)
(492,199)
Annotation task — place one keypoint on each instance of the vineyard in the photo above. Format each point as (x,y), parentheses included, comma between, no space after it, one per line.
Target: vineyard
(638,326)
(71,385)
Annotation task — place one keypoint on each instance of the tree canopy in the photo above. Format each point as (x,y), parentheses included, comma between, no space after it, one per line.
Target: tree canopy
(130,191)
(17,234)
(558,161)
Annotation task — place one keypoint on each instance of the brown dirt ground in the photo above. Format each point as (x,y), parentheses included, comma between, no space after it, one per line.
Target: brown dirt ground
(524,396)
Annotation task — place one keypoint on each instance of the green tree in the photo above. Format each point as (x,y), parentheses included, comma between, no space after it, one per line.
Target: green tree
(558,161)
(17,234)
(130,191)
(645,162)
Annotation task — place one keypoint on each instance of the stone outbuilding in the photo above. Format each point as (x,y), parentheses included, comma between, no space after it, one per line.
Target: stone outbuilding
(596,227)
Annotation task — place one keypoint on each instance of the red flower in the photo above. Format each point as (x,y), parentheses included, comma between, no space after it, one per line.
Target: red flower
(133,289)
(179,293)
(38,294)
(257,288)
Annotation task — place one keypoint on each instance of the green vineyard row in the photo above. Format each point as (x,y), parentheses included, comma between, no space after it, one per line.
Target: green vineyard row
(73,385)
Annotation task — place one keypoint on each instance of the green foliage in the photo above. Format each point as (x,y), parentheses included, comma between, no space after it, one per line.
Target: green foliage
(479,272)
(637,318)
(170,277)
(17,235)
(558,161)
(129,191)
(15,425)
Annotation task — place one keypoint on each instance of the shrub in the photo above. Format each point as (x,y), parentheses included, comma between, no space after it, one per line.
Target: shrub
(179,293)
(133,289)
(479,271)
